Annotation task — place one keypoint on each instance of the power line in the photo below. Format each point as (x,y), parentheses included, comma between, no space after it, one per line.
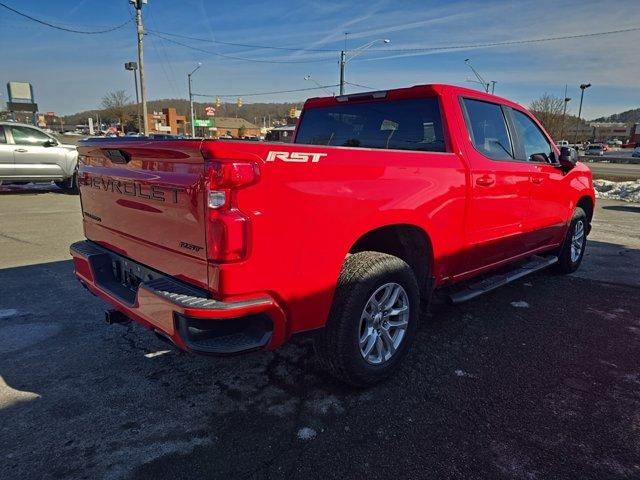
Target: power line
(505,43)
(232,57)
(358,85)
(244,45)
(64,29)
(172,80)
(319,87)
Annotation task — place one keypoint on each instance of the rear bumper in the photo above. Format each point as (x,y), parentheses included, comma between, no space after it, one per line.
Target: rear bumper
(184,314)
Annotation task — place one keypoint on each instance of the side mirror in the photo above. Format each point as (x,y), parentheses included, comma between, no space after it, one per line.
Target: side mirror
(50,143)
(568,158)
(539,157)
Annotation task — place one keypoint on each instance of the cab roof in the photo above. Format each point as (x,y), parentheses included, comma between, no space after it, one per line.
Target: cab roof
(416,91)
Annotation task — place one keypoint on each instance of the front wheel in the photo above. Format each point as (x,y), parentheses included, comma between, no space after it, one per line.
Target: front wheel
(372,321)
(69,185)
(572,250)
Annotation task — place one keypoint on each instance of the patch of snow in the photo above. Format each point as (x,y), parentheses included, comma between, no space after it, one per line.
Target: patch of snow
(306,433)
(326,404)
(156,354)
(8,312)
(10,396)
(627,191)
(520,304)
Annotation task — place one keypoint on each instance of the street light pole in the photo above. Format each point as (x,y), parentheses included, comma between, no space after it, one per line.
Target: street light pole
(134,66)
(564,113)
(193,127)
(140,32)
(583,87)
(481,80)
(356,52)
(310,78)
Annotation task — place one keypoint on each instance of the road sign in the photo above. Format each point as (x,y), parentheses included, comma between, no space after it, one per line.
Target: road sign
(210,111)
(203,123)
(51,114)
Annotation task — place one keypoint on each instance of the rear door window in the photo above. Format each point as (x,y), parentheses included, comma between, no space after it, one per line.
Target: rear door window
(488,129)
(28,136)
(396,124)
(3,137)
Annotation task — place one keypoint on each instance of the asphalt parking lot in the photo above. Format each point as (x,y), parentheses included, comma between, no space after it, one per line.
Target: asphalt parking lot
(539,380)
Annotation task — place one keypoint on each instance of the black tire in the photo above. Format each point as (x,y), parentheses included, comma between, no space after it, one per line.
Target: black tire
(337,345)
(568,261)
(70,185)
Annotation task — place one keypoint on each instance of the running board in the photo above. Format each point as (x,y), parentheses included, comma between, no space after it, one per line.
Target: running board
(476,289)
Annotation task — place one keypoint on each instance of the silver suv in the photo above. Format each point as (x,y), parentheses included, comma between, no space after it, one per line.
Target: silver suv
(27,154)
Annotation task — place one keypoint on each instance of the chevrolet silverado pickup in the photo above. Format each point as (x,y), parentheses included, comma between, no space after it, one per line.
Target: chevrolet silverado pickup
(223,247)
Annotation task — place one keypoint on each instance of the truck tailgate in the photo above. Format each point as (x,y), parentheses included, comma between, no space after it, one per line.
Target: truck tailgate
(146,200)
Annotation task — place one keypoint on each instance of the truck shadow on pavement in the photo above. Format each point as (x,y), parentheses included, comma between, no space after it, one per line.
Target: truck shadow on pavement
(623,208)
(540,379)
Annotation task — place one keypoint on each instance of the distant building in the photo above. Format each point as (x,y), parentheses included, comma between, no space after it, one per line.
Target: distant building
(167,121)
(599,132)
(634,135)
(603,131)
(235,127)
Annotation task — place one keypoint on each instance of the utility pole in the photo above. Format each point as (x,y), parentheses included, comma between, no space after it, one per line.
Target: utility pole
(343,61)
(564,113)
(140,32)
(583,87)
(493,86)
(192,117)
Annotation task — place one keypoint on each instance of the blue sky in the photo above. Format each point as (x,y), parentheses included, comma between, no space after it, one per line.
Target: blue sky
(71,72)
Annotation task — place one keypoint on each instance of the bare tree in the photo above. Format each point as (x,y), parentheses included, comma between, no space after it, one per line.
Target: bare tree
(118,105)
(548,109)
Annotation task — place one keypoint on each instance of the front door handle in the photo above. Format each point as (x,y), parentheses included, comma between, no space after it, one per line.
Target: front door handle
(537,180)
(21,150)
(485,181)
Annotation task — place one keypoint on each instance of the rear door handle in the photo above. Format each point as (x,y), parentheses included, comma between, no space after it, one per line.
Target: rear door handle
(21,150)
(485,181)
(537,180)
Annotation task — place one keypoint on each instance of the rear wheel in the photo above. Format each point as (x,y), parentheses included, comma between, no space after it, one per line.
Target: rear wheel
(373,319)
(573,247)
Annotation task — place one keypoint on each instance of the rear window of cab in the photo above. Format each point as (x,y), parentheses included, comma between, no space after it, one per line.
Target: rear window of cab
(414,124)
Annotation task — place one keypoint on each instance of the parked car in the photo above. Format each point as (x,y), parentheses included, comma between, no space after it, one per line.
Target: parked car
(636,152)
(28,154)
(595,149)
(230,247)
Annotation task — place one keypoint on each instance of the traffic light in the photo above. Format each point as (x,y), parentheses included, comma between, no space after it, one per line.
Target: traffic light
(239,102)
(218,102)
(292,112)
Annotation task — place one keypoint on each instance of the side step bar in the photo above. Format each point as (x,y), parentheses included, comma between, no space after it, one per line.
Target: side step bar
(476,289)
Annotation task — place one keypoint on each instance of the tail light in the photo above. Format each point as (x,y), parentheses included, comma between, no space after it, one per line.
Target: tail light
(228,234)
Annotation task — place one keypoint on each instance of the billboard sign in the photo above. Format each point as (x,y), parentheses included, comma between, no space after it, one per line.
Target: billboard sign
(20,92)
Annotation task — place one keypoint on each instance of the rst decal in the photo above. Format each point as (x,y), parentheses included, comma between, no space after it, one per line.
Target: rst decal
(297,157)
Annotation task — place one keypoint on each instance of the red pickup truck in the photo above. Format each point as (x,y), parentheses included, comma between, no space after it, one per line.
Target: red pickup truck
(225,247)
